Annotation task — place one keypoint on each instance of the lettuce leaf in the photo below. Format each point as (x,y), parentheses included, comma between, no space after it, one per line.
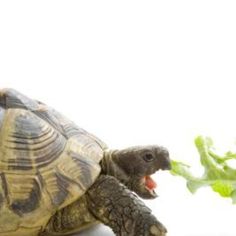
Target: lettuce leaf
(218,174)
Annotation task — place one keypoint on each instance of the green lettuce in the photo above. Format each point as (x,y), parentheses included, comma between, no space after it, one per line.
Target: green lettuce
(218,174)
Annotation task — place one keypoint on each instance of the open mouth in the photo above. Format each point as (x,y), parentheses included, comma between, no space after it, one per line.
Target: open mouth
(145,186)
(149,185)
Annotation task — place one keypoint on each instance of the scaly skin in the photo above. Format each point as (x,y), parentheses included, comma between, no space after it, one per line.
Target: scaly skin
(112,203)
(111,200)
(116,206)
(71,219)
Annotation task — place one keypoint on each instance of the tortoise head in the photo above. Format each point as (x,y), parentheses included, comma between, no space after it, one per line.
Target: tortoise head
(134,167)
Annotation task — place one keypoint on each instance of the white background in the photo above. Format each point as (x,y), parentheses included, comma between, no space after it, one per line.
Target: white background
(135,72)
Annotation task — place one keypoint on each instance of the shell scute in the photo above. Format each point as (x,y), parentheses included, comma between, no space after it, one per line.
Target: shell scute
(28,142)
(46,161)
(10,98)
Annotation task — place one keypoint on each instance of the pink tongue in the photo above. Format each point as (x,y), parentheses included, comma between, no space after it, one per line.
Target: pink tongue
(150,183)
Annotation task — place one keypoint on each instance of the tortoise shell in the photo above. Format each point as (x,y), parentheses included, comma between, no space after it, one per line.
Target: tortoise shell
(46,162)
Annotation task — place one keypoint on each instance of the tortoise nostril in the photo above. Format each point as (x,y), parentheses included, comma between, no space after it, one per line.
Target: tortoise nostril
(165,153)
(165,160)
(166,165)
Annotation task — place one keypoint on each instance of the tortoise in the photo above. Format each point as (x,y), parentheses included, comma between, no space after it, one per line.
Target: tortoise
(58,179)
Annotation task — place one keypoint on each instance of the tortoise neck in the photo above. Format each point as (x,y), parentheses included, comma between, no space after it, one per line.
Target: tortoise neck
(107,163)
(110,167)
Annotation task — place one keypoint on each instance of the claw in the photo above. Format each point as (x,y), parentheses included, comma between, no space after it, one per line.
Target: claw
(159,230)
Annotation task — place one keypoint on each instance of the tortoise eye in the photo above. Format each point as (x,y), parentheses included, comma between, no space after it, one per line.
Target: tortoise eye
(148,157)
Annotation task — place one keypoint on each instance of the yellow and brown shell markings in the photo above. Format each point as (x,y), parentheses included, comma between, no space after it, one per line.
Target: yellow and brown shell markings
(46,163)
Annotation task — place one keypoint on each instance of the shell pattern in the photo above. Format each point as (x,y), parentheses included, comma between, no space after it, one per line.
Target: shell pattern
(46,162)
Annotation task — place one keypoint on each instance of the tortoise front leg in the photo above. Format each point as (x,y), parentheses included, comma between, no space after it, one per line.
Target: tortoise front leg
(116,206)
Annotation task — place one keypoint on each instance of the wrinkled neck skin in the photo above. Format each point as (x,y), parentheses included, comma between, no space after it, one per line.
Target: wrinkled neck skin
(134,166)
(110,167)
